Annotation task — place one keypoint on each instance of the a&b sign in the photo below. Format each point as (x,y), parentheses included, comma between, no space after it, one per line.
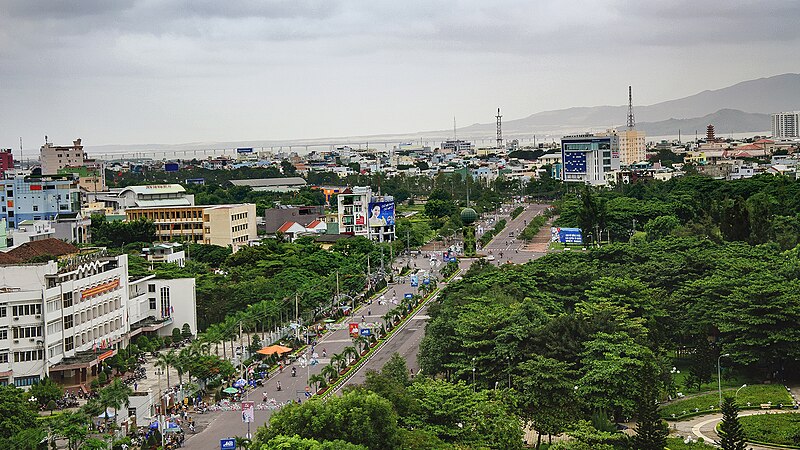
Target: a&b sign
(227,444)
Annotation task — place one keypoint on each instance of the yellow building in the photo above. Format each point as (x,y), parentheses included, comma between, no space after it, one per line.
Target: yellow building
(632,147)
(224,225)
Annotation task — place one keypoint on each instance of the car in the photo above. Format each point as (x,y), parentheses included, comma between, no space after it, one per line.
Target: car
(490,258)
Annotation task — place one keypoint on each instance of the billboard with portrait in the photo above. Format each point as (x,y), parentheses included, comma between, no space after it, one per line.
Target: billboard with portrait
(248,411)
(381,214)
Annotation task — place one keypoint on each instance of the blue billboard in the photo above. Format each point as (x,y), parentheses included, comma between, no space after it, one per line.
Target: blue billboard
(414,281)
(381,214)
(244,150)
(574,162)
(569,235)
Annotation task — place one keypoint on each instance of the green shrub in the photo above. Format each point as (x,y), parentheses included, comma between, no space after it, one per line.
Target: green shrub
(754,395)
(782,429)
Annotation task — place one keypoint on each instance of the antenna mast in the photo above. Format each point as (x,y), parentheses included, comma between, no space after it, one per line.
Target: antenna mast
(631,120)
(499,129)
(455,138)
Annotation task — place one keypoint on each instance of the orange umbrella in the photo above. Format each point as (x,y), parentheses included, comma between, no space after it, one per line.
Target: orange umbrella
(274,349)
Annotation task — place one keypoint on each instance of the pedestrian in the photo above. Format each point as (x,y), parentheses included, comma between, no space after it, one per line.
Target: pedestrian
(324,352)
(135,386)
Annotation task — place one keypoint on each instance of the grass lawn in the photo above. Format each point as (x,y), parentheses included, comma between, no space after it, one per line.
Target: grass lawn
(677,444)
(755,395)
(680,383)
(781,429)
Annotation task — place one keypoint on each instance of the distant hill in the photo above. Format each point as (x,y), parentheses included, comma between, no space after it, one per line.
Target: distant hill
(725,121)
(762,96)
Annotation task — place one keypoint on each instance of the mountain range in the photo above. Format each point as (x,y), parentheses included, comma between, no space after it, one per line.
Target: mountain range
(741,108)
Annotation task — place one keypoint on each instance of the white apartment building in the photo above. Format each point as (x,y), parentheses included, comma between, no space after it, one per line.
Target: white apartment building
(786,125)
(62,318)
(632,147)
(362,214)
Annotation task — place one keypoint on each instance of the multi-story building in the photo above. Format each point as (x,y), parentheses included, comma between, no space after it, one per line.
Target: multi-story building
(61,318)
(361,214)
(587,158)
(6,161)
(632,147)
(274,218)
(224,225)
(166,252)
(155,195)
(786,125)
(38,197)
(55,157)
(457,146)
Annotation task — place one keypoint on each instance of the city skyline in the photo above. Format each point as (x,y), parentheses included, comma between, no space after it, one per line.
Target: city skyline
(138,72)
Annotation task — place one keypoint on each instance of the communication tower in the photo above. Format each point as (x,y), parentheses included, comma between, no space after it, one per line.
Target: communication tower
(499,129)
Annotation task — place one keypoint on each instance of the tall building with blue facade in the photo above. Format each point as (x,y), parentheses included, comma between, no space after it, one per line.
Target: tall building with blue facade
(38,197)
(587,158)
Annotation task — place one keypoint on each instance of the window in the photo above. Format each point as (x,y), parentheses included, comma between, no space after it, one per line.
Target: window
(68,343)
(3,312)
(9,194)
(68,322)
(3,334)
(35,208)
(165,308)
(26,381)
(26,310)
(26,332)
(29,355)
(152,303)
(3,357)
(151,288)
(67,299)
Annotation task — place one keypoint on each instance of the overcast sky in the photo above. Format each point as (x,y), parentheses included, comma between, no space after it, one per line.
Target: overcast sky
(153,71)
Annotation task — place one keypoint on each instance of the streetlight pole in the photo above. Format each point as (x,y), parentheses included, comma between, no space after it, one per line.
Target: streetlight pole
(737,391)
(719,376)
(508,360)
(473,375)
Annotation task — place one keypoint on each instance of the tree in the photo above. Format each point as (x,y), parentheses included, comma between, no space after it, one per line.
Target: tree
(176,335)
(329,372)
(16,412)
(396,369)
(731,433)
(46,391)
(661,227)
(72,426)
(165,360)
(186,331)
(339,361)
(651,430)
(297,443)
(358,417)
(546,395)
(115,396)
(317,381)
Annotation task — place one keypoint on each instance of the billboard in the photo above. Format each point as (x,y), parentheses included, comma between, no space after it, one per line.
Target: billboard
(353,328)
(414,281)
(248,412)
(381,214)
(567,235)
(574,162)
(244,150)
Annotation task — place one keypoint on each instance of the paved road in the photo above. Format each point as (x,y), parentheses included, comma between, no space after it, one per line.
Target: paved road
(406,342)
(705,427)
(409,338)
(228,423)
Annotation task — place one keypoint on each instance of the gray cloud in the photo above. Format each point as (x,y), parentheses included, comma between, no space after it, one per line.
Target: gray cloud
(313,67)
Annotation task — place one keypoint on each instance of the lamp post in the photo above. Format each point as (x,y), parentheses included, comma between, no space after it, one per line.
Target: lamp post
(161,408)
(508,361)
(719,376)
(737,391)
(473,375)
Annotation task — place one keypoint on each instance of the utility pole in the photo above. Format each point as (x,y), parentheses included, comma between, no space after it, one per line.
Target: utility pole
(297,315)
(337,288)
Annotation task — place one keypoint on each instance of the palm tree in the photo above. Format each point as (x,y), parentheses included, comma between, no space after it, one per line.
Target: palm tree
(338,360)
(317,381)
(387,319)
(350,353)
(115,395)
(183,362)
(165,361)
(329,372)
(361,343)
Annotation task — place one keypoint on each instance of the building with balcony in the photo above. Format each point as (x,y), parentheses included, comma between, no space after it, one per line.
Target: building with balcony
(224,225)
(63,317)
(786,125)
(361,214)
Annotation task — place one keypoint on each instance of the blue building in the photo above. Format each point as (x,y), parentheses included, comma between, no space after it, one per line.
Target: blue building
(589,158)
(39,197)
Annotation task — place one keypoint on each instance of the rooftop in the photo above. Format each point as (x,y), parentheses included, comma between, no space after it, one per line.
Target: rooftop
(270,182)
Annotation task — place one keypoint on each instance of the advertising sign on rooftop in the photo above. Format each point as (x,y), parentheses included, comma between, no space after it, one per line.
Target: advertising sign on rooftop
(381,214)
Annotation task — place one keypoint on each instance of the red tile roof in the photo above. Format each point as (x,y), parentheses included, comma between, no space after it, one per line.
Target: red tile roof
(31,250)
(313,224)
(285,227)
